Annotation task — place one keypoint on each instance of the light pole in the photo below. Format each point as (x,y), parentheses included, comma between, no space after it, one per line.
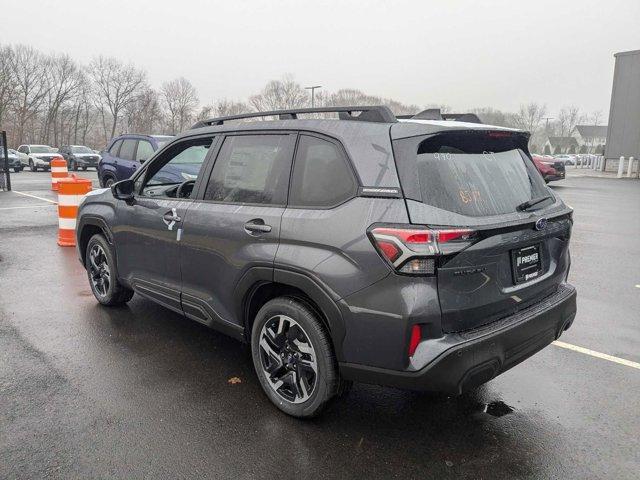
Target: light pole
(313,96)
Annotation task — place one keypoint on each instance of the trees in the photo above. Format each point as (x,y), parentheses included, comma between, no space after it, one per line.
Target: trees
(281,94)
(115,87)
(7,80)
(63,80)
(180,99)
(568,118)
(529,117)
(144,114)
(28,68)
(53,99)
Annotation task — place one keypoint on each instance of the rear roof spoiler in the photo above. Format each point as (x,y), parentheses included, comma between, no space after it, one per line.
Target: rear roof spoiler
(435,114)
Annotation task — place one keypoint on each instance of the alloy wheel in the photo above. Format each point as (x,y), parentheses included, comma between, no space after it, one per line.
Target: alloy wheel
(99,271)
(288,359)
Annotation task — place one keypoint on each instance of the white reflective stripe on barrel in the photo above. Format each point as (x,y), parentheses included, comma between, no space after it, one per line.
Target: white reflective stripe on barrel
(69,200)
(59,170)
(67,223)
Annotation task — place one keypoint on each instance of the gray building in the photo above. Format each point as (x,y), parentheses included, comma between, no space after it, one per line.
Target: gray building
(623,135)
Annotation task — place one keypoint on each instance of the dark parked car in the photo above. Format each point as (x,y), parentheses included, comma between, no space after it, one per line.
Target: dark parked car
(125,154)
(14,160)
(79,156)
(550,169)
(427,255)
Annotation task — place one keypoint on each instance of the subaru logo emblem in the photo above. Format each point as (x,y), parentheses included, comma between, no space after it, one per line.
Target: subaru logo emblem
(541,223)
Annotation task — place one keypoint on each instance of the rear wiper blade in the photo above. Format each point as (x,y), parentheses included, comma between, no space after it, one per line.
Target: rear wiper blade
(530,203)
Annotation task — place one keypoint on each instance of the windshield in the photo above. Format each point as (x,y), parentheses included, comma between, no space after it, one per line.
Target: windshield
(471,175)
(41,149)
(81,150)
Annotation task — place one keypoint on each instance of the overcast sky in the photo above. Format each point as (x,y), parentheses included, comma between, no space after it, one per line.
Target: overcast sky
(459,53)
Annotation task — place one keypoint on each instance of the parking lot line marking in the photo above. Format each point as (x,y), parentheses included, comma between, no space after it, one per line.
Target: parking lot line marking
(28,206)
(593,353)
(34,196)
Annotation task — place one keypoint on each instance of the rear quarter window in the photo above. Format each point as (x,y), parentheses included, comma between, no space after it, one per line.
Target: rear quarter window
(321,176)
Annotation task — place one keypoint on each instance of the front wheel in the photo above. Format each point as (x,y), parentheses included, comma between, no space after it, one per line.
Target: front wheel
(84,169)
(101,271)
(32,166)
(17,169)
(73,166)
(293,357)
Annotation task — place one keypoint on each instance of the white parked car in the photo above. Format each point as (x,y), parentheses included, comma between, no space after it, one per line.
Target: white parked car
(568,159)
(37,156)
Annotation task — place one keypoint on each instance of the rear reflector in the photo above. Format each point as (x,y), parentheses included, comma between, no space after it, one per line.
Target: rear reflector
(416,335)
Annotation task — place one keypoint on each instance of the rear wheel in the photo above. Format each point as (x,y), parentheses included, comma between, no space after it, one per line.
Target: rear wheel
(293,358)
(17,169)
(84,169)
(107,181)
(101,271)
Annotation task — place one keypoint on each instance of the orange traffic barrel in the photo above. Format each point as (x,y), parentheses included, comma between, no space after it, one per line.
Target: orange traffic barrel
(70,193)
(58,171)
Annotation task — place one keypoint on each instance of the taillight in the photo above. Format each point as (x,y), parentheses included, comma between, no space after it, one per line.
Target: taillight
(413,250)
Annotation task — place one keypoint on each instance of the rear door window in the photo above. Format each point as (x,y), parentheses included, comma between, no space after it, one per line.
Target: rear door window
(469,174)
(252,169)
(144,151)
(115,148)
(128,148)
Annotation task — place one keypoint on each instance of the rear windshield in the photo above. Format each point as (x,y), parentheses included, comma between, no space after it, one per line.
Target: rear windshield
(40,149)
(81,150)
(469,174)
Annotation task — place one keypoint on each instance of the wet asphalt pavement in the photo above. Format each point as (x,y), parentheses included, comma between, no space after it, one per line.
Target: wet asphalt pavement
(140,392)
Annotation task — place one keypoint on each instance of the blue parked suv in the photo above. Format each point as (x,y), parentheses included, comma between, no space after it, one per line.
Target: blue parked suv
(125,154)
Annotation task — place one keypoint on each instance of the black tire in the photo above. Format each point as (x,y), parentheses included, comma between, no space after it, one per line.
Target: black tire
(84,169)
(73,166)
(112,293)
(17,169)
(325,383)
(32,166)
(107,181)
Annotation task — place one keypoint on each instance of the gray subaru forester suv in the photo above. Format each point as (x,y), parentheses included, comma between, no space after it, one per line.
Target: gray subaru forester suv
(424,253)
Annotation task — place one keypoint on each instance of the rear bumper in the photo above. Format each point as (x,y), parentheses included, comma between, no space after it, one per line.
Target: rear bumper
(468,359)
(556,176)
(86,163)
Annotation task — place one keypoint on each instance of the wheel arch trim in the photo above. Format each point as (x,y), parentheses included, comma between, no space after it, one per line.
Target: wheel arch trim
(321,295)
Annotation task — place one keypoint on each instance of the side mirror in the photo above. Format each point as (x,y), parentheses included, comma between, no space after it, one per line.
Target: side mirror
(123,190)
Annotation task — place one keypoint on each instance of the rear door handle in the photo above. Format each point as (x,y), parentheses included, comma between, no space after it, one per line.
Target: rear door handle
(257,226)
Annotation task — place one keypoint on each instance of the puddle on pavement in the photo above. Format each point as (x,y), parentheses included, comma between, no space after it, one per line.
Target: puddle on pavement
(497,409)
